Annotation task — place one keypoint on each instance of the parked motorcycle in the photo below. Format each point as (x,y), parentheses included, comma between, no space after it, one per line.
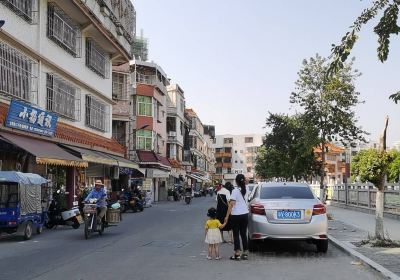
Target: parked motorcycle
(131,202)
(57,216)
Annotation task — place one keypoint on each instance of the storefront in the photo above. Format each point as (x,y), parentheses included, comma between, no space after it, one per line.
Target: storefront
(196,179)
(32,140)
(114,171)
(27,144)
(158,171)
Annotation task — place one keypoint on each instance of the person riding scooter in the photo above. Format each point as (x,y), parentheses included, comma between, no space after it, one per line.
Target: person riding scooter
(188,194)
(100,194)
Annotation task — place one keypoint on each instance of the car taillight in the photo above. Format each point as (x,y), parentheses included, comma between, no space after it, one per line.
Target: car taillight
(257,209)
(319,209)
(12,223)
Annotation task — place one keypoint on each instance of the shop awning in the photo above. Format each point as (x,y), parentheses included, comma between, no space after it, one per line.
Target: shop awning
(45,152)
(156,173)
(126,163)
(151,158)
(103,158)
(93,156)
(194,176)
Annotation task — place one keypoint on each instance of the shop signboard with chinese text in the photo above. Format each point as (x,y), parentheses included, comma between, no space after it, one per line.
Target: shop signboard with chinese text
(32,119)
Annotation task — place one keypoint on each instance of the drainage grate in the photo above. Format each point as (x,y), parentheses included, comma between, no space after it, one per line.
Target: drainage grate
(166,244)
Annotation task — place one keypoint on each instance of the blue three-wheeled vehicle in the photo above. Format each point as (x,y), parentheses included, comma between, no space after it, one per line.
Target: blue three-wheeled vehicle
(21,203)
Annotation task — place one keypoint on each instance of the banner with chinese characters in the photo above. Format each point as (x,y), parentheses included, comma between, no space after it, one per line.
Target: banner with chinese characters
(32,119)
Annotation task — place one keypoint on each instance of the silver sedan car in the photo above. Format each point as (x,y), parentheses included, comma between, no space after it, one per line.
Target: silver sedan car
(287,210)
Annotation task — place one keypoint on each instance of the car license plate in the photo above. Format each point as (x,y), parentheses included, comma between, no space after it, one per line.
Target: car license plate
(288,215)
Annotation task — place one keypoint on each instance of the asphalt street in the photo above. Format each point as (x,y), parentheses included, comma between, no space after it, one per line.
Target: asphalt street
(164,242)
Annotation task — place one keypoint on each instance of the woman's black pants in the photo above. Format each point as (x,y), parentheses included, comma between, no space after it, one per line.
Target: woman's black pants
(239,227)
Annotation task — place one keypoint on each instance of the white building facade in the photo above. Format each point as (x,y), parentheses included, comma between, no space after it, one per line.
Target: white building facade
(236,154)
(57,57)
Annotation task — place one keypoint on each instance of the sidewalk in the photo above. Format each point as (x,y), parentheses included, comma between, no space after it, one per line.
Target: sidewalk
(365,221)
(350,227)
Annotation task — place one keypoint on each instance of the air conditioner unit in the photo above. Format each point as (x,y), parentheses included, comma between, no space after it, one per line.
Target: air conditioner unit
(172,133)
(114,172)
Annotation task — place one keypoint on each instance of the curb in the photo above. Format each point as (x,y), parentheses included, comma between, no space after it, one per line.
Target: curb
(344,247)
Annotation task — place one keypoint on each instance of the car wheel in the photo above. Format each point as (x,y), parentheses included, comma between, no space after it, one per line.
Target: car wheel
(322,245)
(28,231)
(253,244)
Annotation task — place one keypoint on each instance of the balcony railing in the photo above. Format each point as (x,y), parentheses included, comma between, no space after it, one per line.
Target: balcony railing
(151,80)
(363,195)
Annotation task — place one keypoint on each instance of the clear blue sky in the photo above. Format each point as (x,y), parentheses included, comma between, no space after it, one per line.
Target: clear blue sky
(237,59)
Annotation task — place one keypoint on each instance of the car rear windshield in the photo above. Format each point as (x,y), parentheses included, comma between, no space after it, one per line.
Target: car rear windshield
(286,192)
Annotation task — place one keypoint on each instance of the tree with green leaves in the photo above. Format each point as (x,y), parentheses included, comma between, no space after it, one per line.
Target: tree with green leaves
(287,151)
(386,27)
(394,167)
(372,166)
(327,102)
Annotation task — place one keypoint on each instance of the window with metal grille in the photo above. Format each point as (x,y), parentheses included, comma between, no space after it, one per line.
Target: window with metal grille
(63,30)
(26,9)
(63,97)
(18,74)
(97,114)
(120,86)
(97,59)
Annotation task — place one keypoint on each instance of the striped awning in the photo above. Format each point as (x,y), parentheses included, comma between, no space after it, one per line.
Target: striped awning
(44,151)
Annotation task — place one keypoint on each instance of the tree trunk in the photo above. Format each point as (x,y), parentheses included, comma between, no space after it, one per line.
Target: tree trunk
(379,233)
(322,173)
(380,197)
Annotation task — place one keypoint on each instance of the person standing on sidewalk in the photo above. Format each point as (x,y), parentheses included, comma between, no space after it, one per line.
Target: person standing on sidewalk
(223,197)
(238,216)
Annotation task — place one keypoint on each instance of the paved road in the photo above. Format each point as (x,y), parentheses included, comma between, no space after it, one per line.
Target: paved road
(164,242)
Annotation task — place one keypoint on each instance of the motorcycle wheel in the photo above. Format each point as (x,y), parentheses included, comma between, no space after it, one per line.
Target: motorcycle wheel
(76,224)
(101,228)
(87,230)
(123,208)
(39,229)
(49,225)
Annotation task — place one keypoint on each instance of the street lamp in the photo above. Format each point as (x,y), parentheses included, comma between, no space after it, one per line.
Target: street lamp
(2,22)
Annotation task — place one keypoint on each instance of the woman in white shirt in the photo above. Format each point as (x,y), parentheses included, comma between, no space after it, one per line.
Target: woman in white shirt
(238,212)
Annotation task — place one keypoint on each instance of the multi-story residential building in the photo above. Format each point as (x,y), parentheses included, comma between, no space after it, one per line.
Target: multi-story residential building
(198,171)
(56,88)
(176,132)
(236,154)
(396,146)
(337,171)
(150,126)
(209,136)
